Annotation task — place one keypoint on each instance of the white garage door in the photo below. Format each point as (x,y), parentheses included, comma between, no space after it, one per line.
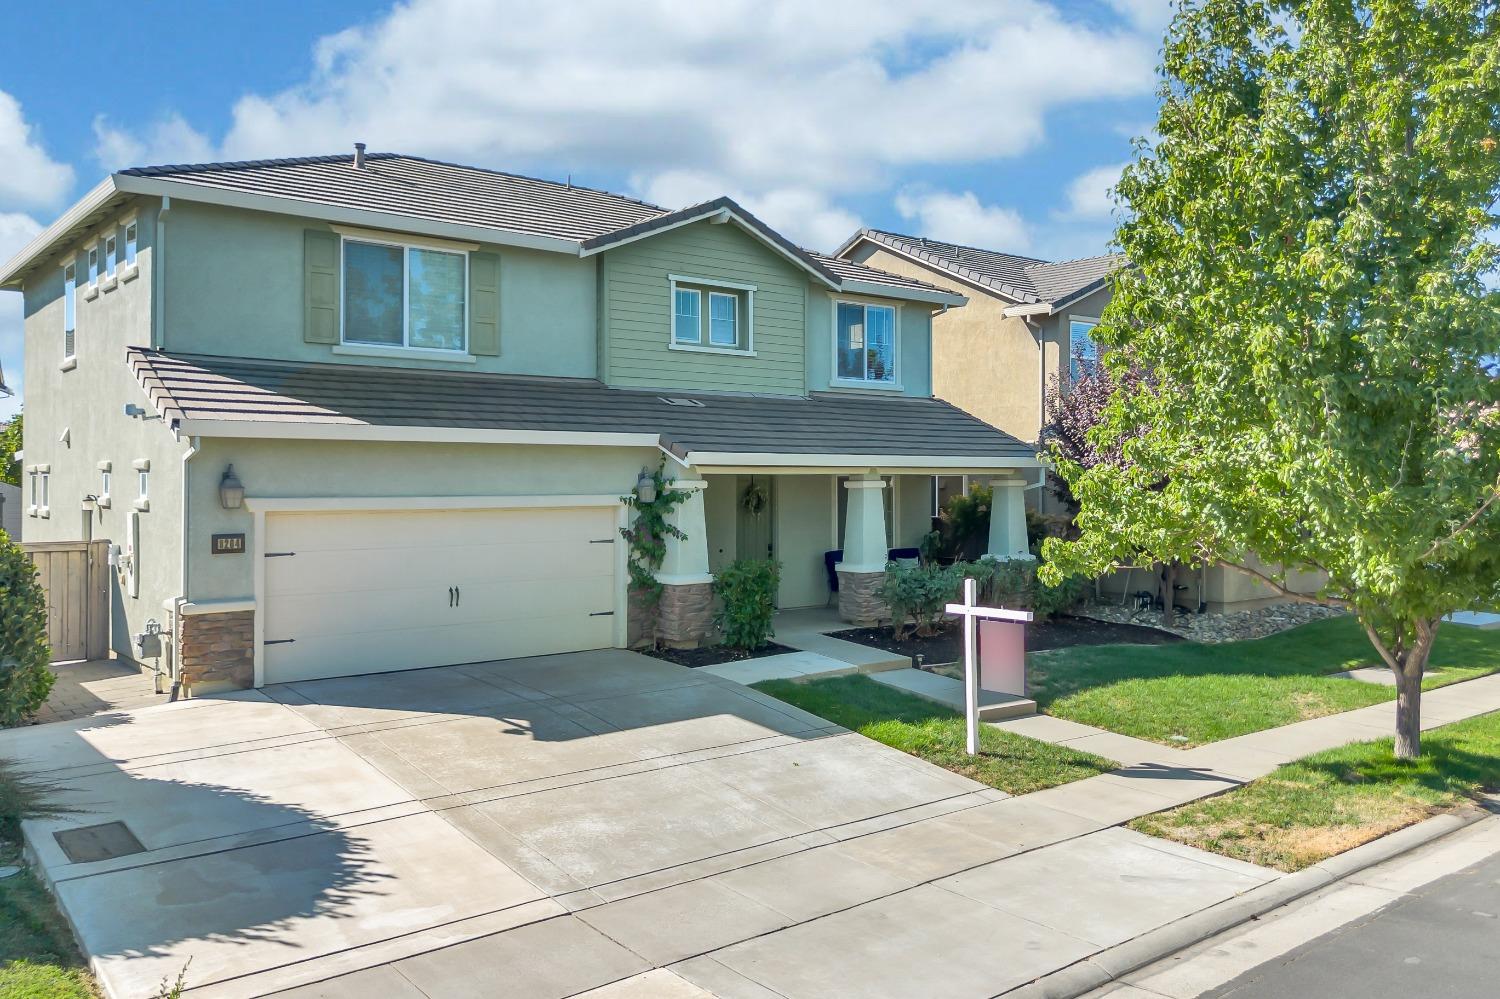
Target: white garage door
(350,593)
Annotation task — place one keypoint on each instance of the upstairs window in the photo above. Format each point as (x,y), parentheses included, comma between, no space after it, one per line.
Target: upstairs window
(687,316)
(111,255)
(93,266)
(711,315)
(1083,352)
(130,244)
(865,343)
(404,296)
(70,308)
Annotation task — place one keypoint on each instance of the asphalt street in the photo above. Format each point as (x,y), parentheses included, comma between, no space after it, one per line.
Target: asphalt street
(1442,940)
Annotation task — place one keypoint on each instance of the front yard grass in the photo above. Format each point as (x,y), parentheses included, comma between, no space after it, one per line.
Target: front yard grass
(1012,763)
(1324,804)
(1193,693)
(38,958)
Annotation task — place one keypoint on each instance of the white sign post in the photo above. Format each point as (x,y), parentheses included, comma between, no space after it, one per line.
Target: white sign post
(971,612)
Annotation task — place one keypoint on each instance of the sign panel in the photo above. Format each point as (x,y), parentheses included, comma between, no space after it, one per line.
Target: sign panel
(1002,657)
(228,544)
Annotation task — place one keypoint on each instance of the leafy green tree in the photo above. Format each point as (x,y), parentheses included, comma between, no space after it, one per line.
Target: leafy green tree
(1312,240)
(25,679)
(10,443)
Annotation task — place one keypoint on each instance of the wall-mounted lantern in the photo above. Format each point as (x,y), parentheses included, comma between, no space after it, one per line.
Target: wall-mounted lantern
(231,490)
(645,487)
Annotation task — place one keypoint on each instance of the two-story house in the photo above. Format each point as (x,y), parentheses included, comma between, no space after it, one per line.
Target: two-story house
(348,414)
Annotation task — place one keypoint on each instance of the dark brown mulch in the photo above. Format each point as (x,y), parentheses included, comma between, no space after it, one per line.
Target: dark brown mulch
(1058,633)
(713,655)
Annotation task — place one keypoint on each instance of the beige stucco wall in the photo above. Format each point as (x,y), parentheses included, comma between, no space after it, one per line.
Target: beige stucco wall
(87,404)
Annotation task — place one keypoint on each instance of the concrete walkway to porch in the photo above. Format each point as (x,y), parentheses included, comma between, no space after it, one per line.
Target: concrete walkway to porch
(806,630)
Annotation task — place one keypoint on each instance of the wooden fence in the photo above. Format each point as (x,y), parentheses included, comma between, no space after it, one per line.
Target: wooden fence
(75,575)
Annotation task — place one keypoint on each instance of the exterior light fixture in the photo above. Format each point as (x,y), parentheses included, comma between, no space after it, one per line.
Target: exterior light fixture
(90,502)
(231,490)
(645,487)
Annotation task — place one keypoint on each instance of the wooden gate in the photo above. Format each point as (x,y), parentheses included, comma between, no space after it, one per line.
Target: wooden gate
(75,575)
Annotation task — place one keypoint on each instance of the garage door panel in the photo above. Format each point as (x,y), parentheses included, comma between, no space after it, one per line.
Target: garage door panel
(428,528)
(369,593)
(377,652)
(439,567)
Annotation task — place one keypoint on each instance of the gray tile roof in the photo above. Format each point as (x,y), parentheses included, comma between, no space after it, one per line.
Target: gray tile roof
(186,387)
(1023,279)
(422,188)
(463,195)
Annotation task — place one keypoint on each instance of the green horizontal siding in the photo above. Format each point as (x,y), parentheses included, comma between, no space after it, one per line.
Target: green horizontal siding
(637,321)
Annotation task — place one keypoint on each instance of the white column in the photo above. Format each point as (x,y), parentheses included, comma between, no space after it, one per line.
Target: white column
(864,525)
(686,560)
(1008,520)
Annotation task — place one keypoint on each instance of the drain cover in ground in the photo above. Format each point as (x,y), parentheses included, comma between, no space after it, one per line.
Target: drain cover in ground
(102,842)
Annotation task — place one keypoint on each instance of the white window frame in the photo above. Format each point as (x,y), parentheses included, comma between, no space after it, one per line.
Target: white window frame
(963,488)
(105,481)
(705,323)
(697,340)
(1093,322)
(91,254)
(44,508)
(129,267)
(111,255)
(404,348)
(143,489)
(31,477)
(894,385)
(70,336)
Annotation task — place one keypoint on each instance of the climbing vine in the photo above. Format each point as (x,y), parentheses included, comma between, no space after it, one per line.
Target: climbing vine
(647,535)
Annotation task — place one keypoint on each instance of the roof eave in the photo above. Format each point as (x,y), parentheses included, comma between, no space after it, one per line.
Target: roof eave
(934,296)
(787,461)
(325,212)
(42,243)
(938,264)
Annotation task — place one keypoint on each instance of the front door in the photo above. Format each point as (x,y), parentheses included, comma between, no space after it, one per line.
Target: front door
(753,517)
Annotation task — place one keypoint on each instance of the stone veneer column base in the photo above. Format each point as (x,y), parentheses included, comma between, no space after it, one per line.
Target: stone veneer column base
(685,615)
(217,650)
(859,603)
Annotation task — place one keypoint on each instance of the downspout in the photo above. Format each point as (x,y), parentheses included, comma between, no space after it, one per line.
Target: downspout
(1041,396)
(159,277)
(182,596)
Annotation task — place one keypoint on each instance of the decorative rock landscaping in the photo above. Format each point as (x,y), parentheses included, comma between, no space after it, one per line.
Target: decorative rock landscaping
(1215,628)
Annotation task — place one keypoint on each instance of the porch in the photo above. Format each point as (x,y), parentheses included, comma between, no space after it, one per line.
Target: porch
(832,530)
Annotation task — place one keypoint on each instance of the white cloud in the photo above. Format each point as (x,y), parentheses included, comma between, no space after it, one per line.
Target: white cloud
(29,178)
(804,215)
(1147,15)
(786,102)
(963,218)
(1089,194)
(16,231)
(169,139)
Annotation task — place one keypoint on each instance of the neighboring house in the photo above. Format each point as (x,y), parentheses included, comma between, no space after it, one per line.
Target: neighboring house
(434,383)
(1028,325)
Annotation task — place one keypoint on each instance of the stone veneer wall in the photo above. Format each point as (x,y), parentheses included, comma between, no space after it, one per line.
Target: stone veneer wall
(217,649)
(686,614)
(859,603)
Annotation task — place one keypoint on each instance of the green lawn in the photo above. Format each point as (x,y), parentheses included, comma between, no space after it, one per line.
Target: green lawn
(38,959)
(1012,763)
(1332,801)
(1202,693)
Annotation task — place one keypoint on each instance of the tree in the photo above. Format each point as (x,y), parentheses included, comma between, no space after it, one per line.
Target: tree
(10,443)
(1312,248)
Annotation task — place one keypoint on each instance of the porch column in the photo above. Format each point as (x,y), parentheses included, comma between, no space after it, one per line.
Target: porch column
(685,615)
(1008,521)
(865,553)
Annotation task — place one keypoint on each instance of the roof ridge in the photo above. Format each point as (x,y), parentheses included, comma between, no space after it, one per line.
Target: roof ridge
(225,166)
(1074,260)
(919,240)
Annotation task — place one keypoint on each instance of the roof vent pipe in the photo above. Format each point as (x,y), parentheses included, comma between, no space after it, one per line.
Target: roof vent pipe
(359,156)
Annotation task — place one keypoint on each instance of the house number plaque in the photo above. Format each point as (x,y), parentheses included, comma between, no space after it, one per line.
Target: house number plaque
(229,544)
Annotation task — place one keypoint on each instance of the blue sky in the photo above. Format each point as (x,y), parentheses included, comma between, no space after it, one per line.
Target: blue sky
(1000,123)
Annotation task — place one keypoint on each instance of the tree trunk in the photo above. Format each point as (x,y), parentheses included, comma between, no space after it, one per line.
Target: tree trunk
(1169,594)
(1408,712)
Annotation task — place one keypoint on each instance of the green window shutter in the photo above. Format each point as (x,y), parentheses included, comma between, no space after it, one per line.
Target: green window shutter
(320,286)
(484,303)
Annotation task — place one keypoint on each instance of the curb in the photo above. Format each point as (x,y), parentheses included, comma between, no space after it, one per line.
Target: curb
(1115,962)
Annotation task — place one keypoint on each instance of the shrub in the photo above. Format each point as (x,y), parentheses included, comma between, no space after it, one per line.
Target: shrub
(25,679)
(1015,584)
(747,594)
(918,593)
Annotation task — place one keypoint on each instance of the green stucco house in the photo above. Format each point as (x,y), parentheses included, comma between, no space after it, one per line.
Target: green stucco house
(349,414)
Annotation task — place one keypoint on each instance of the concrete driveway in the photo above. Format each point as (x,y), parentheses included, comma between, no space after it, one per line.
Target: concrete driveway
(552,826)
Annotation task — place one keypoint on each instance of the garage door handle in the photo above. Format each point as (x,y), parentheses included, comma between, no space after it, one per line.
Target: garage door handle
(458,596)
(450,596)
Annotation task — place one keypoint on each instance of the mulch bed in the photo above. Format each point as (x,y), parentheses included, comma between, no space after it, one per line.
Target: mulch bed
(1059,633)
(713,655)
